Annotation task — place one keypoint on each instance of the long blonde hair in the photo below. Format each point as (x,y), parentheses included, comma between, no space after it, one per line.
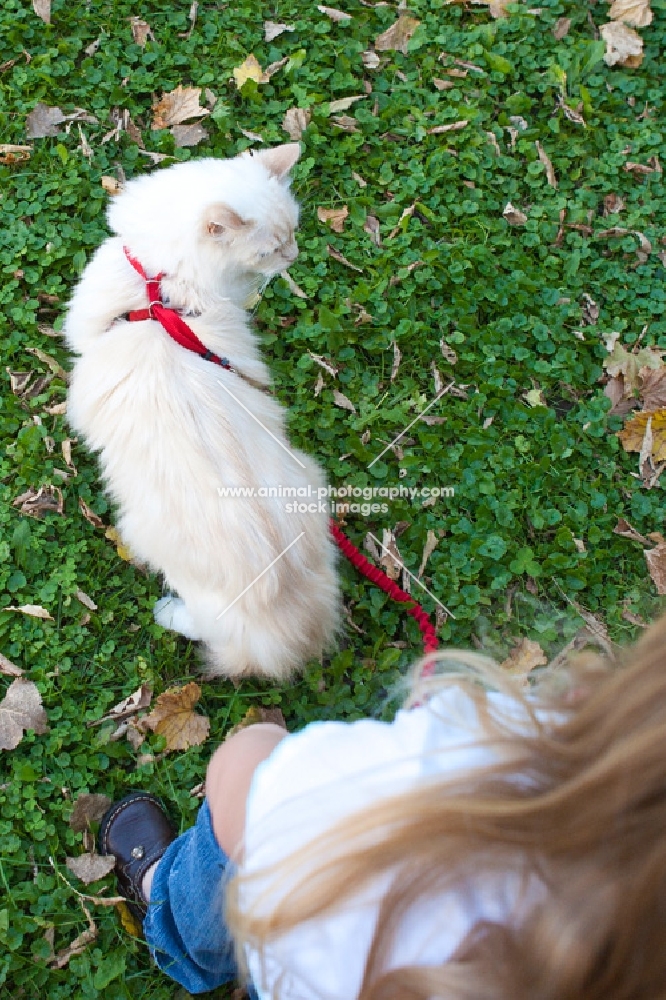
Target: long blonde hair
(588,820)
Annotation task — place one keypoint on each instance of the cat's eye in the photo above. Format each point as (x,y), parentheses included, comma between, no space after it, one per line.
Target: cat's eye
(265,253)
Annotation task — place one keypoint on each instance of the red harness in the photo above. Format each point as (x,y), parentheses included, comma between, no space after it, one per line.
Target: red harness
(179,331)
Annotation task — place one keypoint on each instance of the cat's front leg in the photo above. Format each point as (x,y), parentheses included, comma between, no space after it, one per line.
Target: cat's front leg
(170,612)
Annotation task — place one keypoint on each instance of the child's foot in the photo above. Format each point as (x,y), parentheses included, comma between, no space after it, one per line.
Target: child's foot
(136,832)
(170,612)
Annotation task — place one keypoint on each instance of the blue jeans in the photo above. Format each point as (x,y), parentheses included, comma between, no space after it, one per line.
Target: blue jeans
(184,926)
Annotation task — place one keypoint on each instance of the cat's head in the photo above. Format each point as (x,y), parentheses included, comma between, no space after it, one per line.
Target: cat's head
(258,231)
(206,220)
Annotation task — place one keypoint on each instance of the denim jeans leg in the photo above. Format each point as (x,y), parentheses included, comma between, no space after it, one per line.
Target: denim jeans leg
(184,926)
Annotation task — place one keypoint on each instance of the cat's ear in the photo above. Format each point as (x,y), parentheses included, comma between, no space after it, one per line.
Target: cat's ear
(220,218)
(279,160)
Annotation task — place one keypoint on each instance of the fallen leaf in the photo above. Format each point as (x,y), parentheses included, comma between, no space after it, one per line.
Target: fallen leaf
(177,106)
(130,924)
(32,610)
(42,8)
(335,217)
(188,135)
(123,550)
(295,122)
(440,84)
(430,545)
(398,35)
(523,658)
(647,422)
(111,185)
(90,515)
(448,352)
(91,867)
(79,944)
(391,561)
(252,136)
(590,310)
(21,709)
(497,8)
(43,121)
(561,28)
(325,364)
(85,600)
(272,29)
(543,156)
(397,355)
(19,381)
(453,127)
(9,154)
(334,13)
(273,68)
(66,447)
(155,157)
(54,365)
(134,703)
(36,503)
(635,12)
(620,361)
(336,255)
(613,204)
(370,59)
(319,384)
(8,668)
(174,718)
(359,180)
(513,215)
(653,387)
(341,400)
(249,69)
(371,227)
(406,214)
(656,563)
(256,715)
(439,385)
(624,46)
(88,808)
(293,287)
(624,529)
(651,167)
(344,103)
(141,31)
(345,122)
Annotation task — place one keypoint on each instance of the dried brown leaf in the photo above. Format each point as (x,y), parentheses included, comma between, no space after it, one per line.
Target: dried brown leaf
(90,515)
(624,529)
(653,387)
(21,709)
(336,255)
(295,122)
(272,29)
(36,503)
(345,122)
(174,718)
(10,154)
(319,384)
(293,287)
(88,808)
(620,361)
(111,185)
(398,35)
(651,167)
(325,364)
(448,352)
(43,121)
(647,423)
(371,227)
(256,715)
(624,46)
(341,400)
(523,658)
(634,12)
(8,668)
(370,59)
(31,610)
(177,106)
(497,8)
(91,867)
(344,103)
(561,28)
(545,159)
(54,365)
(19,381)
(452,127)
(656,563)
(513,215)
(613,204)
(335,217)
(334,13)
(141,31)
(431,543)
(79,943)
(397,355)
(135,702)
(440,84)
(391,561)
(85,600)
(42,9)
(188,135)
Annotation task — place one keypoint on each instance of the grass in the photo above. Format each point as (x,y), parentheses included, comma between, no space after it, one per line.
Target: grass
(528,479)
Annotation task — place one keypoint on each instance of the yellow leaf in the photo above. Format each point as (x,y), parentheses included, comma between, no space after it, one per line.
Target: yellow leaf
(129,921)
(523,658)
(633,433)
(121,549)
(248,70)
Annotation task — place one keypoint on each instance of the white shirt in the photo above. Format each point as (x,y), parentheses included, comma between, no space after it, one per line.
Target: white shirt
(326,772)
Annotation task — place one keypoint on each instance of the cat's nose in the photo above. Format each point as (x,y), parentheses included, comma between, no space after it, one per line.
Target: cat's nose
(291,253)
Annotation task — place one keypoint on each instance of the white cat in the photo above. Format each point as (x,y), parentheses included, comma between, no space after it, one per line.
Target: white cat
(256,583)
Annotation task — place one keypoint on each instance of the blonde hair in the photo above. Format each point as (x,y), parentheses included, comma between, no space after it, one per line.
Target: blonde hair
(587,818)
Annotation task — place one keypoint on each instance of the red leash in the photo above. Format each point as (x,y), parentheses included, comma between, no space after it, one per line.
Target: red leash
(179,331)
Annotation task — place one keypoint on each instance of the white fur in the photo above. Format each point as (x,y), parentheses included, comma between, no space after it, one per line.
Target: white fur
(169,432)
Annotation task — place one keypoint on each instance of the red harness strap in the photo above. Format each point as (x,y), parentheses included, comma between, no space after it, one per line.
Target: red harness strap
(174,324)
(179,331)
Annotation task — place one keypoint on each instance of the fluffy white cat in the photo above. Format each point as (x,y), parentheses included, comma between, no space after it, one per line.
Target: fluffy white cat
(255,582)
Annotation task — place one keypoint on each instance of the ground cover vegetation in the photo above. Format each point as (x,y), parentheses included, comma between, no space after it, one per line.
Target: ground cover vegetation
(482,221)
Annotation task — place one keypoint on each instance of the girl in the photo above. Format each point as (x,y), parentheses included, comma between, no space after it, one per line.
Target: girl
(483,845)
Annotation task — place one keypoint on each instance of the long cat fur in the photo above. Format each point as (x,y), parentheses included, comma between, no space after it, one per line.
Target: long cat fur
(168,430)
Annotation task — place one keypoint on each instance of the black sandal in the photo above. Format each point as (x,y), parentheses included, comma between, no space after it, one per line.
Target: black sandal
(137,832)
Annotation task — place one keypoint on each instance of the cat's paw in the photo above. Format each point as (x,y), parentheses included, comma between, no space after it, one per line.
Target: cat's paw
(170,612)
